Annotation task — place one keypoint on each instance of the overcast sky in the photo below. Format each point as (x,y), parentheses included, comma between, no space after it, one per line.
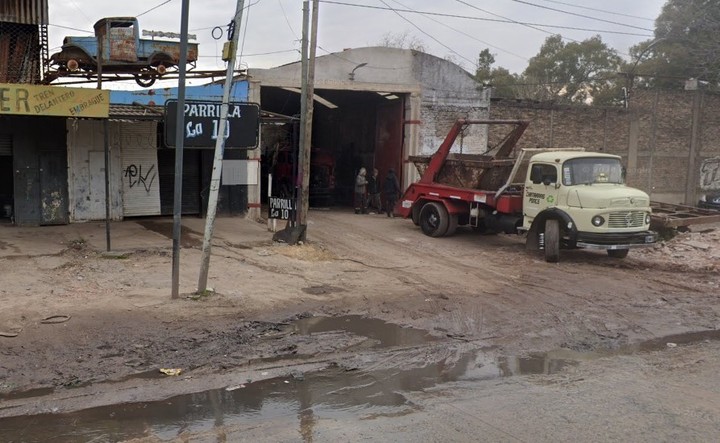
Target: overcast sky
(458,29)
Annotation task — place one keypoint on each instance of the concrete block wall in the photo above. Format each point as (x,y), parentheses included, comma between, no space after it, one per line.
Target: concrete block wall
(654,136)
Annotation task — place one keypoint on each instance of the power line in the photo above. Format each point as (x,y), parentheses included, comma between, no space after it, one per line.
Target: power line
(469,36)
(581,15)
(600,10)
(70,28)
(427,34)
(503,20)
(508,19)
(288,21)
(153,8)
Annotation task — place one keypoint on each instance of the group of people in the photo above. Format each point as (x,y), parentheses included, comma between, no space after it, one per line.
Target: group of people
(367,192)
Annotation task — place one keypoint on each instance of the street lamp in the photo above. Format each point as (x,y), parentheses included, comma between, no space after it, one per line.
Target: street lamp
(351,75)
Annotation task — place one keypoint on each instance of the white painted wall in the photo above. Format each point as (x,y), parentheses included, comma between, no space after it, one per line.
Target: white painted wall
(130,143)
(86,171)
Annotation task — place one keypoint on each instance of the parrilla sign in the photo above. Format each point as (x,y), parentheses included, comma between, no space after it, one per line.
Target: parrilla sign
(202,123)
(53,101)
(281,208)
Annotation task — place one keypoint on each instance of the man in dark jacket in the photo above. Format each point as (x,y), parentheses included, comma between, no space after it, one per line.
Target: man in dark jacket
(391,189)
(373,189)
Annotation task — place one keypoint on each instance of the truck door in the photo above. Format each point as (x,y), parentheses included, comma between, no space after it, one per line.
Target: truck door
(541,190)
(123,41)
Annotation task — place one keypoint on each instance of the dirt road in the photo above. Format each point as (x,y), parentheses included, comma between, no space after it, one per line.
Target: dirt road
(82,329)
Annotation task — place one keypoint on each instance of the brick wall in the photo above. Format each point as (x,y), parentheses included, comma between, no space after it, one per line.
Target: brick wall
(654,136)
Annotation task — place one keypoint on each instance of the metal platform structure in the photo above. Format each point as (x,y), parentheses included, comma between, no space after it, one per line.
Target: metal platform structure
(666,215)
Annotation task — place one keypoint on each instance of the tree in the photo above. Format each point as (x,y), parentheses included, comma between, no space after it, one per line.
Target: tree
(686,45)
(580,72)
(500,79)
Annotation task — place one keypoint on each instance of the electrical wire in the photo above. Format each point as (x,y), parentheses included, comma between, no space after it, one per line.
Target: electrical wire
(503,20)
(469,36)
(599,10)
(288,21)
(153,8)
(70,28)
(429,35)
(582,15)
(510,20)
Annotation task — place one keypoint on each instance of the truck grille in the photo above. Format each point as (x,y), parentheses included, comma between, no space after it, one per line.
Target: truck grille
(626,219)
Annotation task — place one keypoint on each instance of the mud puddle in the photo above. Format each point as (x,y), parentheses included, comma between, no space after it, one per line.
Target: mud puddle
(384,334)
(295,404)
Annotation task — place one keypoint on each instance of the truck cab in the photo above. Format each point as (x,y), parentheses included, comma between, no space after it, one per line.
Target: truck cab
(577,199)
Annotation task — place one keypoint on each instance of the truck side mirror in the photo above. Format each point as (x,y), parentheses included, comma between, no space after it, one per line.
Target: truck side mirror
(547,180)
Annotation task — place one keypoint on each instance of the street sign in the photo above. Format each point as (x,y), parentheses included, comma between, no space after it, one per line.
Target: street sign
(281,208)
(202,122)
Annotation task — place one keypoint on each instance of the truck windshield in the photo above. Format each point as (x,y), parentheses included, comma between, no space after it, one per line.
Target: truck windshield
(589,170)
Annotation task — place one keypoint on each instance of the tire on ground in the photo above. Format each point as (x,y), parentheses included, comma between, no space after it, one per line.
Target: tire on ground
(552,241)
(452,225)
(434,219)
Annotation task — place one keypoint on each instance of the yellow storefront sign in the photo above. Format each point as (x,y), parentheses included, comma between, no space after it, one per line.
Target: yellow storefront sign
(58,101)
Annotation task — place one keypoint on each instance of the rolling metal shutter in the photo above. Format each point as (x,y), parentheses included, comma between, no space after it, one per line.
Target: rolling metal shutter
(6,144)
(141,184)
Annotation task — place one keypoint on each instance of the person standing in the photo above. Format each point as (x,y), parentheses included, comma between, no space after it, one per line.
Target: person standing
(373,188)
(360,191)
(391,189)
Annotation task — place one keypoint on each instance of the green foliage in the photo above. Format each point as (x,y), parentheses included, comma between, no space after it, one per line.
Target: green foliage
(500,79)
(686,45)
(576,72)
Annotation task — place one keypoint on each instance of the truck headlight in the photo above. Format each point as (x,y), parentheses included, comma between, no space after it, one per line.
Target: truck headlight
(598,220)
(647,218)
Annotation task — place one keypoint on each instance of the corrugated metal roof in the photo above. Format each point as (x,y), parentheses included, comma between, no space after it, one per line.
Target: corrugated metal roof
(29,12)
(136,112)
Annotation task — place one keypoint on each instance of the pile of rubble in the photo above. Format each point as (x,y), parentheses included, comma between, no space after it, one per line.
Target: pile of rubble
(697,249)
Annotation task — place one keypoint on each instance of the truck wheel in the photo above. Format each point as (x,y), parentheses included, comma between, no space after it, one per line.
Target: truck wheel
(452,225)
(416,214)
(617,253)
(434,219)
(552,241)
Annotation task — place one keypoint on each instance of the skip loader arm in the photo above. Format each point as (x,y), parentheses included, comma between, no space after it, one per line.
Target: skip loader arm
(438,159)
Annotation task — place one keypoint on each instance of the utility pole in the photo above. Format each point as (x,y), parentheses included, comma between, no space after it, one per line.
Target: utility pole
(233,36)
(106,146)
(179,148)
(306,114)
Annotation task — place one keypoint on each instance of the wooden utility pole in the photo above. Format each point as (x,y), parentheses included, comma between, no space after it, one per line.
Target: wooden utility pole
(219,148)
(306,113)
(179,148)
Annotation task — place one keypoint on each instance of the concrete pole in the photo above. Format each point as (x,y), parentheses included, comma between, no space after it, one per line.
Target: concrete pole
(179,148)
(106,146)
(219,151)
(300,214)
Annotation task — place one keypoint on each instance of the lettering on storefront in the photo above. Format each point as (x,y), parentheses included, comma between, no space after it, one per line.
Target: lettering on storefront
(55,101)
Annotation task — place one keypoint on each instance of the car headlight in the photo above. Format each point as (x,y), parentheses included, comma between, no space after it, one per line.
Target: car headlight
(597,220)
(647,218)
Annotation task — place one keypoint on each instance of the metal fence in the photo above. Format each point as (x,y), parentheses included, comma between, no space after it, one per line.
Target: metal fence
(23,55)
